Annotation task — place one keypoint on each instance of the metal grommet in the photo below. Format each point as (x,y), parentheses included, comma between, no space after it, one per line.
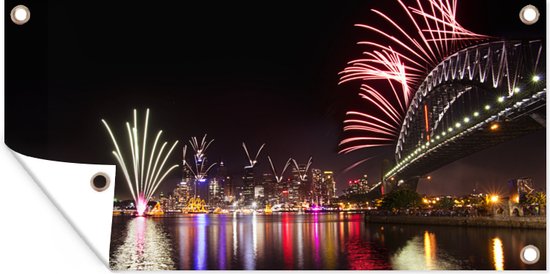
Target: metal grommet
(100,181)
(530,254)
(20,14)
(529,14)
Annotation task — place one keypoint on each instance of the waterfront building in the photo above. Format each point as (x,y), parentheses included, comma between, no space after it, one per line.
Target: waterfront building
(316,185)
(328,188)
(300,188)
(182,193)
(270,188)
(215,192)
(249,182)
(358,186)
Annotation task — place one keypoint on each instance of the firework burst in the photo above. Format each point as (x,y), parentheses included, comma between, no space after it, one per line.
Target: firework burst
(199,169)
(142,175)
(303,174)
(279,177)
(390,71)
(254,161)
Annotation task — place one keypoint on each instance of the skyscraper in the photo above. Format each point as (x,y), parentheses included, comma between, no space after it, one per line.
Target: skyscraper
(270,188)
(316,185)
(249,182)
(328,189)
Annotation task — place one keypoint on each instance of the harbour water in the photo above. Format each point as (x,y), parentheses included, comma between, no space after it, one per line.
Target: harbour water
(312,241)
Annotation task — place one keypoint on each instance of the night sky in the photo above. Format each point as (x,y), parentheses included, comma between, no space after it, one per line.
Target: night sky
(253,71)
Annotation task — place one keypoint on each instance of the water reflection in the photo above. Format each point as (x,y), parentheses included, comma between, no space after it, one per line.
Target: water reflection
(430,248)
(312,241)
(498,254)
(146,247)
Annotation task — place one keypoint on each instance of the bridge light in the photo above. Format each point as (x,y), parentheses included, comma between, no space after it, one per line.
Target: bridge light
(423,147)
(450,129)
(476,114)
(494,126)
(517,90)
(443,133)
(500,99)
(529,15)
(536,78)
(466,119)
(457,125)
(437,137)
(487,107)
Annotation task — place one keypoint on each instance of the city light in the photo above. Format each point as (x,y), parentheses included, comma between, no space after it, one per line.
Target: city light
(494,198)
(494,126)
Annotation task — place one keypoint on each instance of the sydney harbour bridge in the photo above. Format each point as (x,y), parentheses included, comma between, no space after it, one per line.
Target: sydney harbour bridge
(479,97)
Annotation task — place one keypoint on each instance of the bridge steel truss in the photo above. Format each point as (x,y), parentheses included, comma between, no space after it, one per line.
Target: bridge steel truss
(454,110)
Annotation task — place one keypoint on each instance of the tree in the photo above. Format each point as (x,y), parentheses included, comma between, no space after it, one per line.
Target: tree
(445,203)
(537,199)
(400,199)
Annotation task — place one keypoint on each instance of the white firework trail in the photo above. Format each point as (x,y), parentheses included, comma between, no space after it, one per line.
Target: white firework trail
(279,177)
(142,176)
(303,174)
(254,161)
(200,148)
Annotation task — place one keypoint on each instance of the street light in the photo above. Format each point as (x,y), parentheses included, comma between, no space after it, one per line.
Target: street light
(494,198)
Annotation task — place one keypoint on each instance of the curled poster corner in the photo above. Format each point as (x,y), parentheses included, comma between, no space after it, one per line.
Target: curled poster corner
(68,187)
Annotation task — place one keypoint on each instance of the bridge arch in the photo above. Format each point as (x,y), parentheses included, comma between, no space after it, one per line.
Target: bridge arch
(466,92)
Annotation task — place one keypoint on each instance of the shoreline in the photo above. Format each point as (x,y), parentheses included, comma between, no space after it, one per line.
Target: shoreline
(501,222)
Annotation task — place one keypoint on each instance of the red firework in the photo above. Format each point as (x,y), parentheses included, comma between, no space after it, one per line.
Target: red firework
(391,70)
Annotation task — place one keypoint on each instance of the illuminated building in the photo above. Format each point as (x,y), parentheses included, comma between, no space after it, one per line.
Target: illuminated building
(182,193)
(270,188)
(328,188)
(249,182)
(259,196)
(215,193)
(358,186)
(316,185)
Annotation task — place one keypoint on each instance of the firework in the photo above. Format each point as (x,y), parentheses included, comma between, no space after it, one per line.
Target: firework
(391,70)
(279,177)
(303,174)
(199,168)
(143,177)
(200,148)
(254,161)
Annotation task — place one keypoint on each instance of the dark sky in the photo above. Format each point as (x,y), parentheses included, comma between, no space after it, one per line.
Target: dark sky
(253,71)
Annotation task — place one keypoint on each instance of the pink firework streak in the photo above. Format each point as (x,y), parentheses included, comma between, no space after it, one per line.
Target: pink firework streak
(390,71)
